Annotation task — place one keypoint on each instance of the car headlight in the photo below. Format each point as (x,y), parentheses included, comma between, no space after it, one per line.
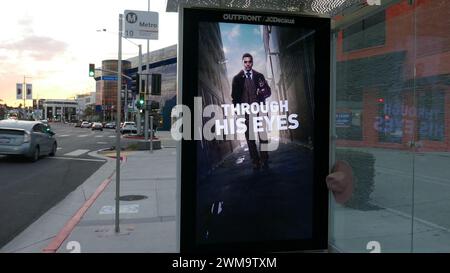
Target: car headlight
(26,137)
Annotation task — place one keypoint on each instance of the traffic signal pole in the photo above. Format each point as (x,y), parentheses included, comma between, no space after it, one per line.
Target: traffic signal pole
(138,113)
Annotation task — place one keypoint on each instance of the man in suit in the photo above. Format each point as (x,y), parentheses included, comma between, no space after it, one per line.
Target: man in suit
(250,86)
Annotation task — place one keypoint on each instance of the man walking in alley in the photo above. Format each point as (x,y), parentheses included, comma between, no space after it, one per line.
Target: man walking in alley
(250,86)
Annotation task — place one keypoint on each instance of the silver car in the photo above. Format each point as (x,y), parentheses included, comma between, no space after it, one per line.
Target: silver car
(28,138)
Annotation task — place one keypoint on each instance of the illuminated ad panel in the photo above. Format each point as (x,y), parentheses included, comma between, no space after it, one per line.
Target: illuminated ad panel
(255,131)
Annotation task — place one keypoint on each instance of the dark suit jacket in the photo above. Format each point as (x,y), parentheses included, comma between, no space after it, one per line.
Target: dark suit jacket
(237,86)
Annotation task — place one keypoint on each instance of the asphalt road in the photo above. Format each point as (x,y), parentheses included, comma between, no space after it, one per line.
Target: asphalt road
(28,190)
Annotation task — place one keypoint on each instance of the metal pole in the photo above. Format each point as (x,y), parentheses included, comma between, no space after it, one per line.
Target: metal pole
(119,84)
(138,114)
(146,111)
(125,105)
(151,135)
(146,86)
(24,90)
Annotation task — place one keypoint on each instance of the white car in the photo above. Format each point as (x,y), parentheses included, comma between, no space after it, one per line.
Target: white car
(85,124)
(128,127)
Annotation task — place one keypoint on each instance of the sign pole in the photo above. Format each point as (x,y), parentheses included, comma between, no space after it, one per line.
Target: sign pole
(147,93)
(119,87)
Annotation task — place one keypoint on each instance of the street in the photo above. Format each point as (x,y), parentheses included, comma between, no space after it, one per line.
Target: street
(28,190)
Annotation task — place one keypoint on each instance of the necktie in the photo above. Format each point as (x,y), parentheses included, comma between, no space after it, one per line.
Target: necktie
(248,75)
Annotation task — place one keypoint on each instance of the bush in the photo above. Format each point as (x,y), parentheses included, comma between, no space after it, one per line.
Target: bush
(362,164)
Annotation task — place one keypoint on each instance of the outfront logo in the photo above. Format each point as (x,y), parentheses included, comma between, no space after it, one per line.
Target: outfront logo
(131,18)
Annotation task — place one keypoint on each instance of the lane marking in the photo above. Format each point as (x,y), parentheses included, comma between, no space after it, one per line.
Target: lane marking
(64,135)
(83,135)
(77,159)
(59,148)
(111,136)
(99,136)
(101,142)
(77,152)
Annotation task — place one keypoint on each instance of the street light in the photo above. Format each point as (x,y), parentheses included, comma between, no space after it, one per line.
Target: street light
(138,116)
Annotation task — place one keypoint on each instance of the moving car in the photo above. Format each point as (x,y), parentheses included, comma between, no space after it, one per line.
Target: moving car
(31,139)
(110,125)
(97,126)
(85,124)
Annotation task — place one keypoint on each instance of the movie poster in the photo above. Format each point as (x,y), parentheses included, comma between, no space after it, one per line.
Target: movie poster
(255,179)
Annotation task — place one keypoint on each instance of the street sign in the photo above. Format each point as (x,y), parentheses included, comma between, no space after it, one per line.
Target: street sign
(140,24)
(109,78)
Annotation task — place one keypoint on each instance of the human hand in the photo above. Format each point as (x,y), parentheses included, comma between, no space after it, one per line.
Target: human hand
(340,182)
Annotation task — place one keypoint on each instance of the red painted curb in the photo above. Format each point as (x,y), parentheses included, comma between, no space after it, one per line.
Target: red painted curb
(70,225)
(62,235)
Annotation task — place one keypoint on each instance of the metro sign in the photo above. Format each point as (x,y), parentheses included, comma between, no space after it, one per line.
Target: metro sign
(140,24)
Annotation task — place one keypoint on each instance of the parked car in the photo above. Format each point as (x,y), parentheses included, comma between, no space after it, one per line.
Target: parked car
(31,139)
(85,124)
(97,126)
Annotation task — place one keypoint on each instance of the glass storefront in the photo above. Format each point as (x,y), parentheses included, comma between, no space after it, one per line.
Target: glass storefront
(392,90)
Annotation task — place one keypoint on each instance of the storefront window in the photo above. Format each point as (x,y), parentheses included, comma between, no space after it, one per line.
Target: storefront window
(401,91)
(366,33)
(431,115)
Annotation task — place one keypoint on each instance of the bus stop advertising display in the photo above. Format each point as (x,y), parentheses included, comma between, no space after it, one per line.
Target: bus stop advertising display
(255,154)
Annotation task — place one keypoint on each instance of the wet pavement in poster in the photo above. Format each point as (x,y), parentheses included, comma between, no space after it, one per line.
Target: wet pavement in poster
(237,203)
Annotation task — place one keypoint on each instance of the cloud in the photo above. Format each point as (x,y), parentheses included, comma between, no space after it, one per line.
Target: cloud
(26,24)
(39,47)
(233,33)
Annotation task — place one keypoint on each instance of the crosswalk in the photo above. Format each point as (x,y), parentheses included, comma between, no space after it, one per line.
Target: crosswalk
(84,135)
(77,152)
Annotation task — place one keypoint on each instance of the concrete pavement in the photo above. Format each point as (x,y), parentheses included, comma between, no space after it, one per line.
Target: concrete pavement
(146,225)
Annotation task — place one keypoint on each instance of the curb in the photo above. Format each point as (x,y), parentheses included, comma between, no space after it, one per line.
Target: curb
(64,233)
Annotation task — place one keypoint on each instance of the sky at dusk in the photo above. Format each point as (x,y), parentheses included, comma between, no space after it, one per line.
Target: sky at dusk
(52,43)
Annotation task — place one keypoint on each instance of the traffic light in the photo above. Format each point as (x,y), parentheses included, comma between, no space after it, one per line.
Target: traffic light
(91,70)
(135,83)
(154,105)
(140,103)
(156,84)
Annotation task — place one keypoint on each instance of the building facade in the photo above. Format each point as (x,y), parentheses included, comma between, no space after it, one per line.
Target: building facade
(106,89)
(60,110)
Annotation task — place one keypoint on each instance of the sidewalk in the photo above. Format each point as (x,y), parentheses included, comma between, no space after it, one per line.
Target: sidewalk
(146,225)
